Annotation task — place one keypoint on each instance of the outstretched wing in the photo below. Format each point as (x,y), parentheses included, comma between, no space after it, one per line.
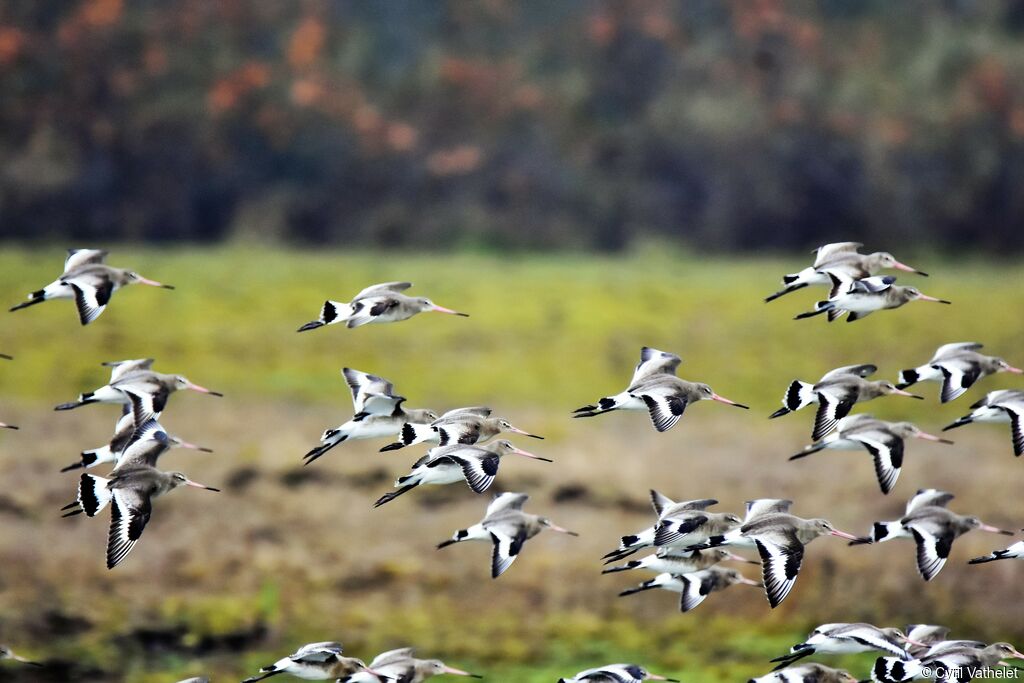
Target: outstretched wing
(660,502)
(957,377)
(766,506)
(507,544)
(863,370)
(887,451)
(317,652)
(83,257)
(364,387)
(654,362)
(92,294)
(382,288)
(392,657)
(781,557)
(828,251)
(479,470)
(122,368)
(955,348)
(928,498)
(834,404)
(128,517)
(665,405)
(933,546)
(506,501)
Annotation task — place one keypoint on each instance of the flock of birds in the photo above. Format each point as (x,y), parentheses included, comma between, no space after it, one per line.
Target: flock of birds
(688,542)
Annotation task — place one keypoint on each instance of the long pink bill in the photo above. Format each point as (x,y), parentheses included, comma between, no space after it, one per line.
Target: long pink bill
(739,558)
(459,672)
(561,530)
(843,534)
(925,297)
(909,269)
(931,437)
(152,283)
(1016,371)
(526,454)
(994,530)
(203,390)
(723,399)
(516,430)
(442,309)
(901,392)
(192,446)
(4,425)
(197,485)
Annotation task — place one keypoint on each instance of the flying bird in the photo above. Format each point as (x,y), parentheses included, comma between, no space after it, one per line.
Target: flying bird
(131,489)
(842,639)
(955,664)
(616,673)
(507,528)
(402,667)
(694,587)
(806,673)
(1014,552)
(123,433)
(89,281)
(676,561)
(377,412)
(134,383)
(835,394)
(316,662)
(1004,405)
(679,525)
(476,465)
(780,539)
(840,257)
(383,303)
(655,388)
(7,653)
(933,528)
(883,440)
(861,298)
(468,425)
(958,366)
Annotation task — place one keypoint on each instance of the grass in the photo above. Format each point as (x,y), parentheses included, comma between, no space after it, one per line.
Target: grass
(224,583)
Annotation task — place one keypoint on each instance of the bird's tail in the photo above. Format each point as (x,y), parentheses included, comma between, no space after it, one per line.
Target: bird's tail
(83,399)
(330,313)
(266,672)
(603,405)
(331,438)
(629,545)
(908,378)
(792,282)
(94,494)
(36,297)
(411,434)
(881,532)
(798,395)
(88,460)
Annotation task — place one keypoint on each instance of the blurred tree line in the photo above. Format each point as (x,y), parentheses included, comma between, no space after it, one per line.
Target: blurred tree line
(720,124)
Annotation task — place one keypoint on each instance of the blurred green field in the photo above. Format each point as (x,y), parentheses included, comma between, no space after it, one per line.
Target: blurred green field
(288,555)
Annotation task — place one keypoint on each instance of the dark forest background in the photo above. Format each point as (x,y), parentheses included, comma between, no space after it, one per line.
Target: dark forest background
(721,125)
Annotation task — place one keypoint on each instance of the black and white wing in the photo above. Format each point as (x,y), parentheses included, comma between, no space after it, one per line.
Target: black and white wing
(479,467)
(665,404)
(871,637)
(453,432)
(766,506)
(317,652)
(145,447)
(696,588)
(92,294)
(129,513)
(457,414)
(654,362)
(371,394)
(872,285)
(887,451)
(958,375)
(147,399)
(933,545)
(365,310)
(508,540)
(834,403)
(781,556)
(506,501)
(77,258)
(123,430)
(1015,409)
(382,288)
(660,502)
(671,529)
